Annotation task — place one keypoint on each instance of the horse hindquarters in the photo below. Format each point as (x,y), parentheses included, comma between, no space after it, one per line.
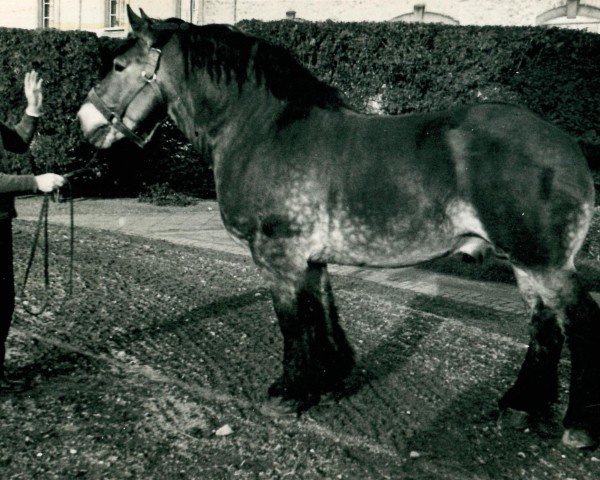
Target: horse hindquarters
(561,307)
(316,356)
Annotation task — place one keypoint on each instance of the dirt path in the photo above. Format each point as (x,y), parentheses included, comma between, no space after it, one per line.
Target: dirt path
(163,345)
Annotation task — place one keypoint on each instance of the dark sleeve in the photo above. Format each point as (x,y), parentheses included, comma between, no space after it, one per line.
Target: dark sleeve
(17,183)
(18,138)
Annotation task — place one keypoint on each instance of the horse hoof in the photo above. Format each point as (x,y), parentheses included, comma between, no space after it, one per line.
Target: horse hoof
(513,419)
(528,399)
(329,399)
(578,438)
(289,407)
(276,389)
(280,408)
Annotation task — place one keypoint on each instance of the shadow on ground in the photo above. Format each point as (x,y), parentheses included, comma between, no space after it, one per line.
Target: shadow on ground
(178,335)
(499,271)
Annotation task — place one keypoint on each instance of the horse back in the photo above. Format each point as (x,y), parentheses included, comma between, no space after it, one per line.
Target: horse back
(467,152)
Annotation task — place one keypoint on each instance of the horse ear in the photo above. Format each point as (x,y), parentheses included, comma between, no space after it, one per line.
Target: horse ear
(141,26)
(135,21)
(144,16)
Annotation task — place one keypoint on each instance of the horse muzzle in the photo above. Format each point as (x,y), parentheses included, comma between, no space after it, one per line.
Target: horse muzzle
(96,129)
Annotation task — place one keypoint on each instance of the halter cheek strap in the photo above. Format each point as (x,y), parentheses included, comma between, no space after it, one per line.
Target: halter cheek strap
(148,77)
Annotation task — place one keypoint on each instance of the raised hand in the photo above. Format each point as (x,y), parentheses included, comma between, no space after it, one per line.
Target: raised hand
(33,93)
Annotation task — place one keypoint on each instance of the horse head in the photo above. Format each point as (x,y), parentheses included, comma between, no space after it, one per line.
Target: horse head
(203,77)
(130,101)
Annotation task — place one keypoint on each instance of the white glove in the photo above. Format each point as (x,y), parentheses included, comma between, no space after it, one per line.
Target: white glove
(49,181)
(33,93)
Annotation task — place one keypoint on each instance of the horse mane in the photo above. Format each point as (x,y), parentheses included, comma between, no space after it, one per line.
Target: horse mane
(224,50)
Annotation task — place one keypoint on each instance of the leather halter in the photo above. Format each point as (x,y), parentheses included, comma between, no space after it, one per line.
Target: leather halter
(115,115)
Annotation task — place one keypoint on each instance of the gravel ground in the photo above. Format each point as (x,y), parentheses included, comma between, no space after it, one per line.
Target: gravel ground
(158,367)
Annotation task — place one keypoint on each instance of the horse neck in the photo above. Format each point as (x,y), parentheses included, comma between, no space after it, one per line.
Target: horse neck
(235,115)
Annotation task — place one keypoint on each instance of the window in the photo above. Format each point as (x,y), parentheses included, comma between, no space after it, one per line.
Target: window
(114,16)
(45,13)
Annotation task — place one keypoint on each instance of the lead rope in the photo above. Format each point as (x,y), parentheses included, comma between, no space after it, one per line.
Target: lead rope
(42,225)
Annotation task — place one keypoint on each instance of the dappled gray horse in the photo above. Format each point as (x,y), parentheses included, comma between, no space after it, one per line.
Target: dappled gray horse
(303,180)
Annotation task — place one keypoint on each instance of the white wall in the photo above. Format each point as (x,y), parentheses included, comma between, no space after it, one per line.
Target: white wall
(90,14)
(467,12)
(19,13)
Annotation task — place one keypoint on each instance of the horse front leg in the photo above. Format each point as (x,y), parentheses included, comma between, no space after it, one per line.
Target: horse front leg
(317,356)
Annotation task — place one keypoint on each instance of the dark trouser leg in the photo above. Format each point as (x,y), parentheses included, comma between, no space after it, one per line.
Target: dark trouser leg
(537,384)
(7,288)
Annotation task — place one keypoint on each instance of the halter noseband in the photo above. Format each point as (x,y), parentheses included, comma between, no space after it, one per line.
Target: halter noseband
(114,116)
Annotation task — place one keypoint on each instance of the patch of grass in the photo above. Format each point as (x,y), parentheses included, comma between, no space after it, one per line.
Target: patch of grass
(163,195)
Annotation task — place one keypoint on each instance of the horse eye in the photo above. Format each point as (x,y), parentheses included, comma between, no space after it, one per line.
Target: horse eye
(119,67)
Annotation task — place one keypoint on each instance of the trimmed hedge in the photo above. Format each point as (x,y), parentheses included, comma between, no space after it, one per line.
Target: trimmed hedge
(385,67)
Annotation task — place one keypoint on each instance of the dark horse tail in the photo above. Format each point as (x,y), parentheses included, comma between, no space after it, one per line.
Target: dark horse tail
(591,152)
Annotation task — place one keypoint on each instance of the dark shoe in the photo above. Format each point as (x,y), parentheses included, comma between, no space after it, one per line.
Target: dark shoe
(8,386)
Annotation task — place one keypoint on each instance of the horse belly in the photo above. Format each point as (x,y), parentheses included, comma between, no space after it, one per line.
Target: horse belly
(405,239)
(356,249)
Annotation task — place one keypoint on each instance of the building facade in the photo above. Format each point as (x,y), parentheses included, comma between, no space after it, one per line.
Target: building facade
(107,17)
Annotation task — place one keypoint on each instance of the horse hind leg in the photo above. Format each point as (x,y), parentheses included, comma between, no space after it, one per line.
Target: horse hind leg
(536,386)
(582,329)
(568,305)
(317,356)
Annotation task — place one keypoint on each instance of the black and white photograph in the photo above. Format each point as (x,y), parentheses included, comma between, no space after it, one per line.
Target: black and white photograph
(300,239)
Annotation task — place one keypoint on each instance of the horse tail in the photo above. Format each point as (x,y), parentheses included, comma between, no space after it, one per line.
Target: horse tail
(591,152)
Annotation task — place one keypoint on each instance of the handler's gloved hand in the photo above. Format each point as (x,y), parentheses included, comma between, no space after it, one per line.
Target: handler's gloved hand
(33,93)
(49,181)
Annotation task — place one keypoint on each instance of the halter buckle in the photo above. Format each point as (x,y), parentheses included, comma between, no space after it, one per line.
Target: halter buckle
(155,53)
(147,78)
